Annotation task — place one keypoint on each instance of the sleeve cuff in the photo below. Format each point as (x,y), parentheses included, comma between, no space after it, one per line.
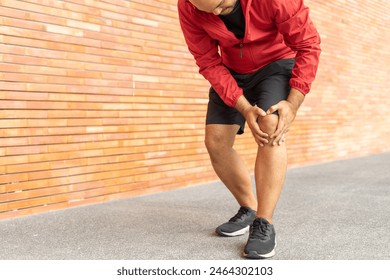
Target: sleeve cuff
(302,87)
(232,102)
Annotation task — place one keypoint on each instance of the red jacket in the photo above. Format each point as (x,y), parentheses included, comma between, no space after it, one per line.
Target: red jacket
(275,29)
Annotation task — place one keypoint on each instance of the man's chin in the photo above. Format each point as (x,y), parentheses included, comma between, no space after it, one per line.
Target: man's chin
(226,12)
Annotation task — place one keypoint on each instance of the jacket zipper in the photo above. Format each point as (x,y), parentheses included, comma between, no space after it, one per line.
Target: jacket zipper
(241,45)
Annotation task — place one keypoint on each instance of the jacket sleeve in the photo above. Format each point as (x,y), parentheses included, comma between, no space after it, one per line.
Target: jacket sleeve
(205,51)
(293,22)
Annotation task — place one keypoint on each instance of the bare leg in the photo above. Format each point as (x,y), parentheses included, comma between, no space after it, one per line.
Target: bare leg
(227,164)
(270,171)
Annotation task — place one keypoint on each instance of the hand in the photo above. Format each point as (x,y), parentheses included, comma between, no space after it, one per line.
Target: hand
(251,115)
(287,112)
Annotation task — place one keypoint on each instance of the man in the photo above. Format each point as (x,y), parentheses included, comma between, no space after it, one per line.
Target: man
(260,57)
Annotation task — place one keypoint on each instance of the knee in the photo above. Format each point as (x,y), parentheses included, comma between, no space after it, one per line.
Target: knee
(211,143)
(219,140)
(216,146)
(268,123)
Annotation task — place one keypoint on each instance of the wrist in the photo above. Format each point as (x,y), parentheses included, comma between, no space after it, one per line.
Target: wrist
(295,98)
(242,105)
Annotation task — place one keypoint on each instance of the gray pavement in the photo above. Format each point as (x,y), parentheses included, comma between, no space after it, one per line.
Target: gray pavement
(333,211)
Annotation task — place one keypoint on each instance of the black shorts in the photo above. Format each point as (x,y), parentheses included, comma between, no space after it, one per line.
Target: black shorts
(266,87)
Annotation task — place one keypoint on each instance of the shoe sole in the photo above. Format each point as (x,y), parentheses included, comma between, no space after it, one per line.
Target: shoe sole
(255,255)
(235,233)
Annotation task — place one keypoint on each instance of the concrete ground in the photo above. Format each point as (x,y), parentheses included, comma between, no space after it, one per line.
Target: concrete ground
(332,211)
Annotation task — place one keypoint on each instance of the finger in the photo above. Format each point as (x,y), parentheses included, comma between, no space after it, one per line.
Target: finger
(259,140)
(272,109)
(276,136)
(279,129)
(260,111)
(254,126)
(260,136)
(262,142)
(277,139)
(282,139)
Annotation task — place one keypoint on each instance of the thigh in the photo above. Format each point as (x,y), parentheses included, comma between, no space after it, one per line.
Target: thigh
(274,85)
(271,91)
(220,136)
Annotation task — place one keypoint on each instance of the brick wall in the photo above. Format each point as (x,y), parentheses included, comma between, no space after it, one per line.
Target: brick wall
(101,100)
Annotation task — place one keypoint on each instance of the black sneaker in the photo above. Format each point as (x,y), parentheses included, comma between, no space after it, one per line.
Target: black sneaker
(239,224)
(261,242)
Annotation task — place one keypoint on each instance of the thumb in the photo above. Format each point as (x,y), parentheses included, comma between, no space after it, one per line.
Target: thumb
(260,111)
(272,109)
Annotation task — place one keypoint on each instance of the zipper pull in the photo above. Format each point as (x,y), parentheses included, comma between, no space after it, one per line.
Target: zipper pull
(241,45)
